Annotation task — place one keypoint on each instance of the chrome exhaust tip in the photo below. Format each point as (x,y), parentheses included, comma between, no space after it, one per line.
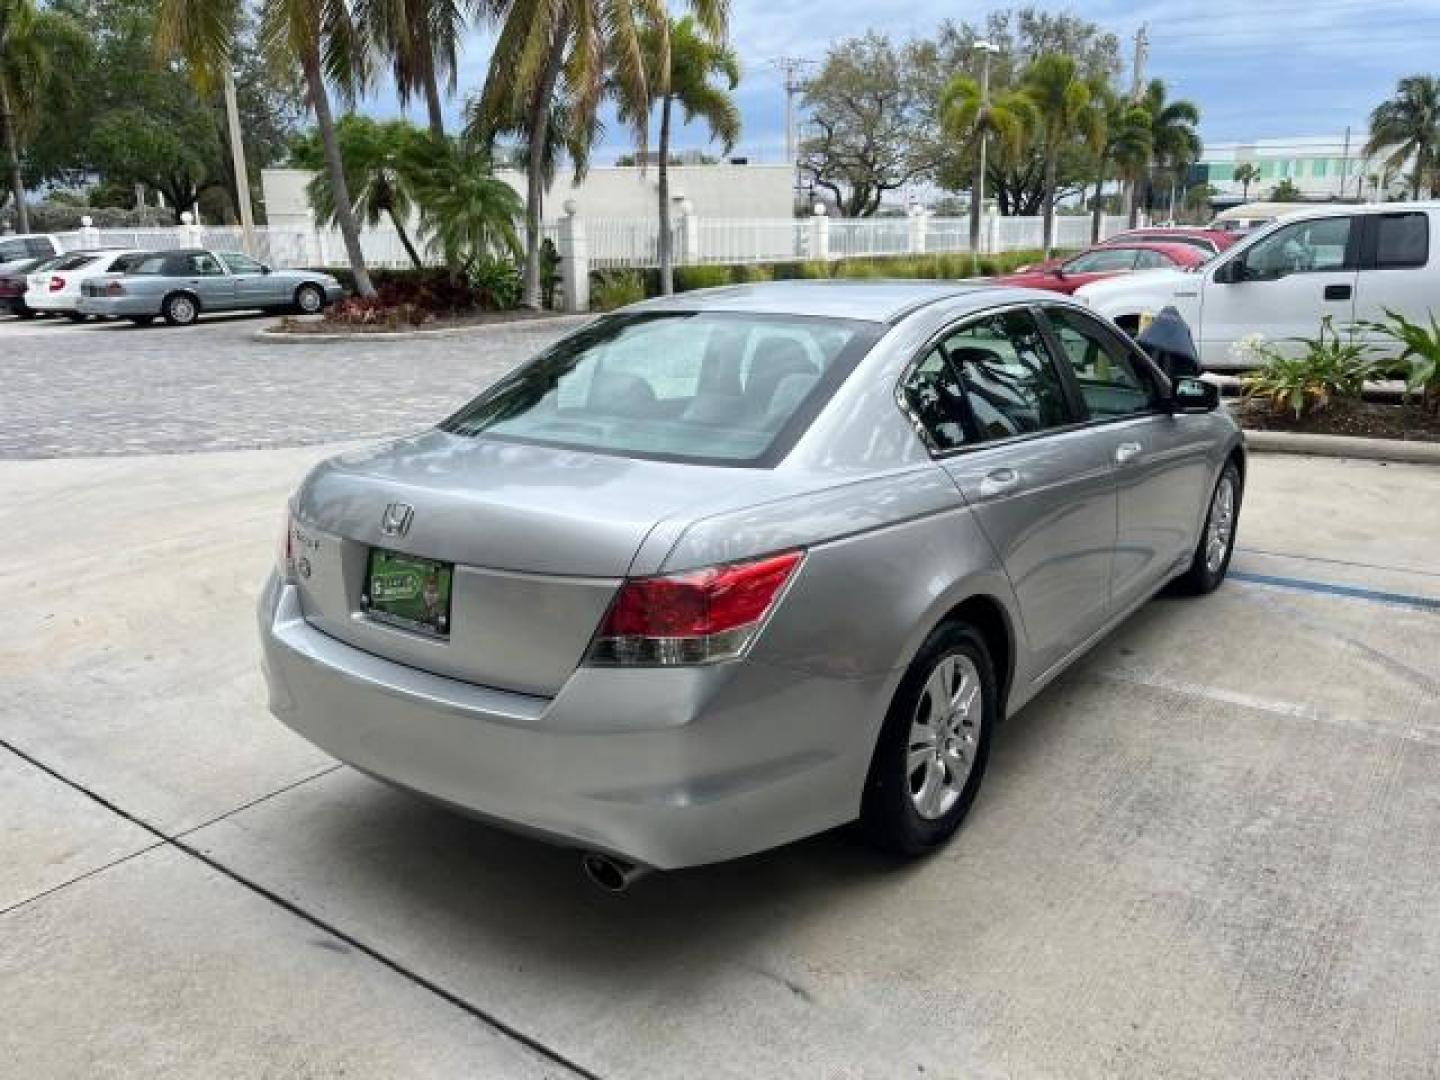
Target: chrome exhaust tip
(610,874)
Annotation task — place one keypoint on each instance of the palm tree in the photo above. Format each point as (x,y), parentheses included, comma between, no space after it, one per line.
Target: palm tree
(1125,147)
(681,60)
(1407,128)
(1174,143)
(1061,93)
(1246,174)
(421,40)
(319,37)
(547,46)
(32,46)
(965,113)
(380,172)
(465,212)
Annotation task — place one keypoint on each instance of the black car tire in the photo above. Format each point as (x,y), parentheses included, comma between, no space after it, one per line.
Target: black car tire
(180,309)
(310,299)
(1205,576)
(888,815)
(142,320)
(76,316)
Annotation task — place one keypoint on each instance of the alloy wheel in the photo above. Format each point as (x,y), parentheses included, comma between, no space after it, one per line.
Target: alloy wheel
(944,736)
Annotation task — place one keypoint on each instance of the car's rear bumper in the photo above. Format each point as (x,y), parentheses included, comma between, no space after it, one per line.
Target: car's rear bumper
(52,303)
(666,767)
(118,306)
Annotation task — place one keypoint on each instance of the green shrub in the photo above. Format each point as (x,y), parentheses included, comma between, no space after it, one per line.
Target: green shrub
(746,273)
(1328,370)
(497,282)
(616,288)
(702,277)
(1419,360)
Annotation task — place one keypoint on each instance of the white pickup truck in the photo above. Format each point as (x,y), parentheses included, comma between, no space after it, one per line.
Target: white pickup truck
(1348,262)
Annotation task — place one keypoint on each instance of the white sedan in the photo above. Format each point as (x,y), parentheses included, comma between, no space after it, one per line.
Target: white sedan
(57,288)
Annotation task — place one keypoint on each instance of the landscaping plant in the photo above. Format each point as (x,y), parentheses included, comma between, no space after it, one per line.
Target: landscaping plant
(1419,356)
(615,289)
(1329,369)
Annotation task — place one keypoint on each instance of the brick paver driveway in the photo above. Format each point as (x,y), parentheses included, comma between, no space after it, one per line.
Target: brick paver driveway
(112,388)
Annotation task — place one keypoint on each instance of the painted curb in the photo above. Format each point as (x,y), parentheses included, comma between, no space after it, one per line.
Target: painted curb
(1343,446)
(279,337)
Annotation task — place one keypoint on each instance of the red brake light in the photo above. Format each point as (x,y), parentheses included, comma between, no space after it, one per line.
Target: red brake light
(115,288)
(57,283)
(692,618)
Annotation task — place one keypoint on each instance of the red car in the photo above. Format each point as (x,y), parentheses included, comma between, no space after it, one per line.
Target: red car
(12,286)
(1212,240)
(1067,275)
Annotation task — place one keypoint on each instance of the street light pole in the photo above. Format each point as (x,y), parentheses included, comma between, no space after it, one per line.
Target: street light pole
(977,193)
(237,157)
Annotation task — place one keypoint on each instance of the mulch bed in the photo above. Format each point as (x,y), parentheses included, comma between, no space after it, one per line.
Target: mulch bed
(322,327)
(1365,419)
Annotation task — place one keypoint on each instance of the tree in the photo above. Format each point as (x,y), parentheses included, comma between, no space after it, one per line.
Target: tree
(31,43)
(1199,196)
(1125,148)
(1285,191)
(872,132)
(681,61)
(968,112)
(1064,115)
(1246,174)
(319,37)
(421,40)
(547,46)
(1174,142)
(466,213)
(381,159)
(176,151)
(1406,128)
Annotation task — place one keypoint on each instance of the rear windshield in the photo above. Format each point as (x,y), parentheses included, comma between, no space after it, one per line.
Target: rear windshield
(707,387)
(72,262)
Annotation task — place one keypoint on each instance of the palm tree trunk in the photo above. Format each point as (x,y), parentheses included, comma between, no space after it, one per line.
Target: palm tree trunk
(433,106)
(538,133)
(405,239)
(977,185)
(1047,205)
(344,211)
(12,161)
(1097,211)
(667,238)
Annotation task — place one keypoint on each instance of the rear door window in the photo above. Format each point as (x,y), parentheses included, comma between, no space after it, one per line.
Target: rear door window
(935,402)
(706,387)
(1401,240)
(1011,384)
(13,249)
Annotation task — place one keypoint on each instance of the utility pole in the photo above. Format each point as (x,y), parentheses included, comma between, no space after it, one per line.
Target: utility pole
(237,157)
(977,195)
(1345,163)
(792,67)
(1137,91)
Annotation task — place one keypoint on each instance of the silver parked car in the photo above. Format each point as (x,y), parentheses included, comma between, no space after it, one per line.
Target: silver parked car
(179,285)
(724,570)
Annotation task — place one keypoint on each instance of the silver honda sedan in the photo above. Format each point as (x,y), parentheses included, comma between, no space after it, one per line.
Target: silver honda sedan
(727,569)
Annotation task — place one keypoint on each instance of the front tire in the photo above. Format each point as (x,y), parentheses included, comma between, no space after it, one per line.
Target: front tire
(180,309)
(934,746)
(310,299)
(1211,561)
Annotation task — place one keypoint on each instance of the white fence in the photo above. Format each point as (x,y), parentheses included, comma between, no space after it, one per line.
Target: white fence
(615,243)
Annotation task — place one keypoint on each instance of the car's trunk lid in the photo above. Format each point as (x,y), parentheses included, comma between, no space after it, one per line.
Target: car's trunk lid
(539,539)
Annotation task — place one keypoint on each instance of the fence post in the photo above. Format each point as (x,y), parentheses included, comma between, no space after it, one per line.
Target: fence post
(89,235)
(688,235)
(990,241)
(574,260)
(819,233)
(190,235)
(917,230)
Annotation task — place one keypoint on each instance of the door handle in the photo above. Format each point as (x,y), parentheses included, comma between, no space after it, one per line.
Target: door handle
(999,482)
(1337,292)
(1127,452)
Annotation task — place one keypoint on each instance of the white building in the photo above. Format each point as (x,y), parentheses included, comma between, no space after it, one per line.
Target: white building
(608,192)
(1322,167)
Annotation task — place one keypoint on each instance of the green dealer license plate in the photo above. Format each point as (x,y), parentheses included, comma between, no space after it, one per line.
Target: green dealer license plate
(408,591)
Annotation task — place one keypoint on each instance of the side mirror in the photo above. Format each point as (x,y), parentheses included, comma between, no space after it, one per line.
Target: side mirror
(265,268)
(1190,395)
(1231,272)
(1057,271)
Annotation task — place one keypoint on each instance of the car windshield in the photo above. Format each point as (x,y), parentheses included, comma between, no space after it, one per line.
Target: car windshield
(705,387)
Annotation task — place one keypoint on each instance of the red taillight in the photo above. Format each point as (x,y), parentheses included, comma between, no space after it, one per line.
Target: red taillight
(115,288)
(57,283)
(691,618)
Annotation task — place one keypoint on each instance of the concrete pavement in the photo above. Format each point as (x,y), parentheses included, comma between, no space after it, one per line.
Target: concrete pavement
(1207,851)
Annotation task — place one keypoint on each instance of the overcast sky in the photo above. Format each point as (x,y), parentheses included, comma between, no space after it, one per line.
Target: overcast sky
(1256,69)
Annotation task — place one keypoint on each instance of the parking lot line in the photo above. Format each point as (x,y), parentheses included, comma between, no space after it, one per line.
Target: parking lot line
(1378,596)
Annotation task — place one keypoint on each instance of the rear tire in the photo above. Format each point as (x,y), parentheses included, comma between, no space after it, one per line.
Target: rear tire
(25,313)
(180,309)
(310,299)
(1211,561)
(142,320)
(935,744)
(76,316)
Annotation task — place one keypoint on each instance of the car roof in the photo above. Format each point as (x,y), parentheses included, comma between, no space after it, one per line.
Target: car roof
(873,300)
